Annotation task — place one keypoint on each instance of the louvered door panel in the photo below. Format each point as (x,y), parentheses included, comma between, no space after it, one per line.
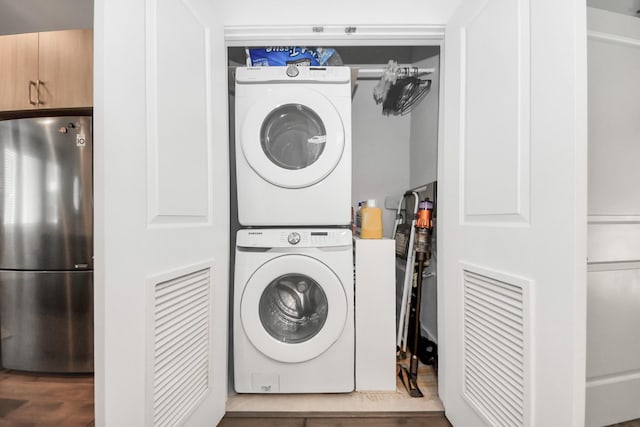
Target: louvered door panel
(181,346)
(496,348)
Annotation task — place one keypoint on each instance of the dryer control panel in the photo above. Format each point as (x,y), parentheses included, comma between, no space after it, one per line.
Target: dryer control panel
(294,237)
(336,74)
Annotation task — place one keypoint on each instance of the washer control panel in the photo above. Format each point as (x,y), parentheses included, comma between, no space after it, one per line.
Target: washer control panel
(287,238)
(318,238)
(294,238)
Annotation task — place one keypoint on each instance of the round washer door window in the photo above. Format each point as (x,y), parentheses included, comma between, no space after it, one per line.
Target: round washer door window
(292,138)
(293,308)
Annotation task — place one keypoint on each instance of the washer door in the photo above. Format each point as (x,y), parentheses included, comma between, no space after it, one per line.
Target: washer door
(293,137)
(293,308)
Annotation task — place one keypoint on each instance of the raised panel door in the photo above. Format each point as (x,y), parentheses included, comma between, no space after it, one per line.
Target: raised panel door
(512,187)
(162,244)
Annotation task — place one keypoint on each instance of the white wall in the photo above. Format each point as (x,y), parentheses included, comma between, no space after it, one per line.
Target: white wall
(337,12)
(424,130)
(614,119)
(380,152)
(613,281)
(392,154)
(628,7)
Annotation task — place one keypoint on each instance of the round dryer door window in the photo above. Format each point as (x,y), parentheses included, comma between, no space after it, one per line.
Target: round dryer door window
(293,138)
(293,308)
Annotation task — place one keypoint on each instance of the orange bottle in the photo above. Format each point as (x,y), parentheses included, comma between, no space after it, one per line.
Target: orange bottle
(371,221)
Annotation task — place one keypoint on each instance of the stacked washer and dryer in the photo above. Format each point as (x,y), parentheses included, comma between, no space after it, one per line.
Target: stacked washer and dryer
(293,289)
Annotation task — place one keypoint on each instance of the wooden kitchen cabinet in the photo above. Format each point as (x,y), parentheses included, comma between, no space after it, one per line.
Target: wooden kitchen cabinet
(18,71)
(65,64)
(46,70)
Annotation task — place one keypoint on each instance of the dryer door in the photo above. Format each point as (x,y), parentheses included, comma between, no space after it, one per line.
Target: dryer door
(292,137)
(293,308)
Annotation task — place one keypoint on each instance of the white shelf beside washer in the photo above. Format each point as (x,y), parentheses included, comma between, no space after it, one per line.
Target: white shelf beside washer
(375,313)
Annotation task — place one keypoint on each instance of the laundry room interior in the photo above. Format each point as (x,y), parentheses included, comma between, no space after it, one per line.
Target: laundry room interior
(138,45)
(394,156)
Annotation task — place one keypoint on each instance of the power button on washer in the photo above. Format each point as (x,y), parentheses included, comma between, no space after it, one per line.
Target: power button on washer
(293,238)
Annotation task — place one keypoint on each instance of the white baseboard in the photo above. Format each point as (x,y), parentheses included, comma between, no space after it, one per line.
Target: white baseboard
(612,400)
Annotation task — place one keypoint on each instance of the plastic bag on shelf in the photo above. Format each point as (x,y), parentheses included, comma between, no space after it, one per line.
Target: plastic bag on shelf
(298,55)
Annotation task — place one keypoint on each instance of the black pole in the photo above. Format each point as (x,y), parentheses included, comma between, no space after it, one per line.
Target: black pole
(414,390)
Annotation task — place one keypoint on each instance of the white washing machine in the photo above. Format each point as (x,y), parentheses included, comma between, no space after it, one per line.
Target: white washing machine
(293,309)
(293,145)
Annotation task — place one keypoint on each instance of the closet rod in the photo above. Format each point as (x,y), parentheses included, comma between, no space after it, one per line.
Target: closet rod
(376,73)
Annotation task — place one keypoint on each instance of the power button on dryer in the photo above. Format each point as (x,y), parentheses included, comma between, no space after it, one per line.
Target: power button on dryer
(294,238)
(292,70)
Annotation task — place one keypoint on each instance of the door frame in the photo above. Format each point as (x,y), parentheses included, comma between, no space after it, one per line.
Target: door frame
(364,35)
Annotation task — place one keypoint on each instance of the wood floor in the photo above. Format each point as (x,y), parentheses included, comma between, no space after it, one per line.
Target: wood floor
(413,419)
(30,400)
(393,401)
(632,423)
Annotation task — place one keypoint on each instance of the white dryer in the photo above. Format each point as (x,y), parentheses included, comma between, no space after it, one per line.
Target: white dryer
(293,317)
(293,145)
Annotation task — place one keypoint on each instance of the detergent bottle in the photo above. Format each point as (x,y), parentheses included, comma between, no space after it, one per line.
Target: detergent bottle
(371,227)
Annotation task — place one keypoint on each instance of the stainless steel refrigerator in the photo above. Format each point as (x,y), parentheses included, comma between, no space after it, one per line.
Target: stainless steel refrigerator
(46,244)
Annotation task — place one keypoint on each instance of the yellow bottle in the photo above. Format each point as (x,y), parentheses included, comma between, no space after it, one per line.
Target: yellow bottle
(371,221)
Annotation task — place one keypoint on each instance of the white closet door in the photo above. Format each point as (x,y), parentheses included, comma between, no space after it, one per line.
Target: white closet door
(161,208)
(513,214)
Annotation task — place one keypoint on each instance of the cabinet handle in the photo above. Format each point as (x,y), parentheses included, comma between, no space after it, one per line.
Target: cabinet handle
(32,85)
(38,84)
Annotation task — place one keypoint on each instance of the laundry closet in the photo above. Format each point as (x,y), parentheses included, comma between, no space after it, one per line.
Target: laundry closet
(391,153)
